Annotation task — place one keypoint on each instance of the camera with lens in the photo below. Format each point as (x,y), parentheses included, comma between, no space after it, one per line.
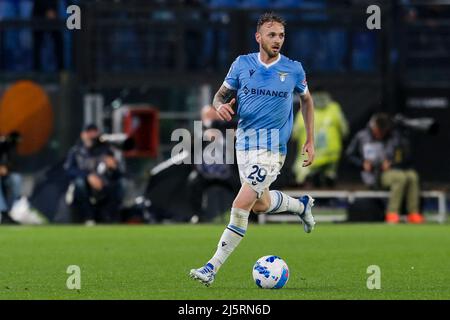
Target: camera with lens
(9,142)
(120,141)
(424,125)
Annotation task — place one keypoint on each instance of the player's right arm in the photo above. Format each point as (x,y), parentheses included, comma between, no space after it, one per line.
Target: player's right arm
(224,109)
(221,102)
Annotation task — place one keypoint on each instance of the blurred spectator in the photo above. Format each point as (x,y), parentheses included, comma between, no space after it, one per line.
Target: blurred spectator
(320,49)
(255,9)
(206,175)
(363,55)
(364,51)
(10,181)
(217,40)
(383,154)
(194,34)
(47,10)
(255,4)
(330,128)
(95,193)
(12,40)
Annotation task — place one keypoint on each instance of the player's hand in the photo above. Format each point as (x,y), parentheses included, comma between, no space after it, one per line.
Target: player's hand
(225,111)
(95,182)
(308,148)
(367,166)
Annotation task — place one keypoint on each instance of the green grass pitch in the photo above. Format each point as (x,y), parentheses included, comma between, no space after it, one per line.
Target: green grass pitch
(152,262)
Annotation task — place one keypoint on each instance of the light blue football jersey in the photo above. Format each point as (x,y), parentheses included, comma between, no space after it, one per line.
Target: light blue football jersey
(265,95)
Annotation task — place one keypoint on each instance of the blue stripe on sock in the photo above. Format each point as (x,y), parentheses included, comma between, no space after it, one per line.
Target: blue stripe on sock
(237,229)
(280,201)
(240,235)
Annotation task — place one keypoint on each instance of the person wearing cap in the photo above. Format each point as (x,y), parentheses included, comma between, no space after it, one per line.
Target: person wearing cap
(95,194)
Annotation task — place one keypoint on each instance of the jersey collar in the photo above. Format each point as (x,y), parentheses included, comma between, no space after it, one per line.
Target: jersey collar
(270,64)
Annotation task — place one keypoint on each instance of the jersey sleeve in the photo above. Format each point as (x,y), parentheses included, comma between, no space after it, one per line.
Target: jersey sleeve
(232,78)
(301,85)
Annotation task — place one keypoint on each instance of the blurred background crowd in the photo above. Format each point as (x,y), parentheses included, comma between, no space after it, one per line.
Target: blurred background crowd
(86,116)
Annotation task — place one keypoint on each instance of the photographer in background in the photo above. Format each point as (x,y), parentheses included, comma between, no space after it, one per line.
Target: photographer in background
(10,181)
(96,193)
(383,154)
(209,173)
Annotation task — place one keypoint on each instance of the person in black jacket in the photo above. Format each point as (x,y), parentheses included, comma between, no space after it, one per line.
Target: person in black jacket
(209,173)
(48,10)
(384,156)
(95,193)
(10,181)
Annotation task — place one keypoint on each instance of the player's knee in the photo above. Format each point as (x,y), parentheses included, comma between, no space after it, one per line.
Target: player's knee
(242,203)
(261,207)
(237,203)
(245,198)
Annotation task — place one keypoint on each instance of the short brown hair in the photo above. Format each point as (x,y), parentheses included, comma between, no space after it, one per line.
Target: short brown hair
(382,121)
(269,17)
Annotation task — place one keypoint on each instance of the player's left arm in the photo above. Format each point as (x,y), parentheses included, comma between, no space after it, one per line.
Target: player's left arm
(308,118)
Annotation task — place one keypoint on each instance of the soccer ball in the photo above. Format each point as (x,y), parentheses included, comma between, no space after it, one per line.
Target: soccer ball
(270,272)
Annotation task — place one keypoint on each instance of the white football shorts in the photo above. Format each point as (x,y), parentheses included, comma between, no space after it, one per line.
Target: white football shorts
(259,168)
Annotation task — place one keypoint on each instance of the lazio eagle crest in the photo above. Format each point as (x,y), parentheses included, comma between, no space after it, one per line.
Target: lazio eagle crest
(282,76)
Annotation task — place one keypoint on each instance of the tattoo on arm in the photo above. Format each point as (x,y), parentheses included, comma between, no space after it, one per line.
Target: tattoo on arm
(222,96)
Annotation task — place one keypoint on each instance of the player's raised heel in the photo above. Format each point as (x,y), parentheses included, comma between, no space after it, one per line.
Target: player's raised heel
(306,215)
(204,274)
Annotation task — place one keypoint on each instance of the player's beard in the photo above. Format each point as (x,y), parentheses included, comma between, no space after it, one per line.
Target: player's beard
(268,49)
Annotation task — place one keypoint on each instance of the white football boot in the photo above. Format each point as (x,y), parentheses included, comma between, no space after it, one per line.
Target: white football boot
(204,274)
(306,216)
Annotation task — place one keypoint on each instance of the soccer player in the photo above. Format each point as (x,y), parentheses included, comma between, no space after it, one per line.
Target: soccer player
(264,84)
